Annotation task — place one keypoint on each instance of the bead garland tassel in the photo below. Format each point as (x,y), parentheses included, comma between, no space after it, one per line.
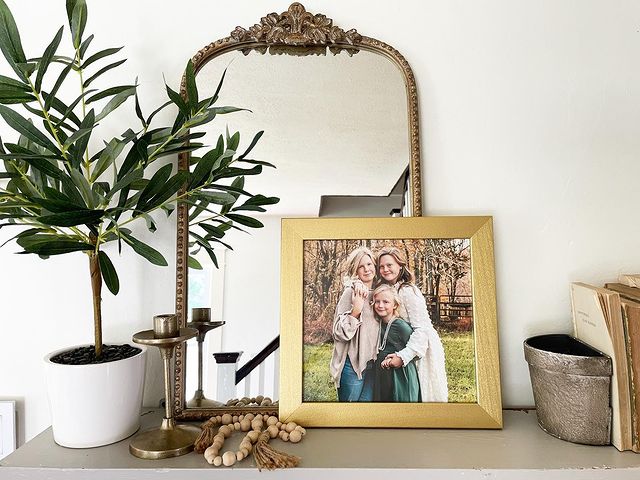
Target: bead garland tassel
(256,440)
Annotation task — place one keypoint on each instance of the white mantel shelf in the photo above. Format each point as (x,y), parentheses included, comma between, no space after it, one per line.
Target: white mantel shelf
(520,451)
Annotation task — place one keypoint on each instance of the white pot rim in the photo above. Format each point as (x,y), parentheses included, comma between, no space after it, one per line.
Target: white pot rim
(47,357)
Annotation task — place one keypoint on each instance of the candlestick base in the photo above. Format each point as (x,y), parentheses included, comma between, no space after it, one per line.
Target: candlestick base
(169,440)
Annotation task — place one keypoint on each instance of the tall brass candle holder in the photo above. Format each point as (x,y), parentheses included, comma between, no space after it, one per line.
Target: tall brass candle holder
(168,440)
(201,321)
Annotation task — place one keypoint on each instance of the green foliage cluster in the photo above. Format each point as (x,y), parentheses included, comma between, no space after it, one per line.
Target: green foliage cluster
(71,198)
(459,363)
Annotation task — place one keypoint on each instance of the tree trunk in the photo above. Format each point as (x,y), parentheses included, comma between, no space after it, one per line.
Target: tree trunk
(96,290)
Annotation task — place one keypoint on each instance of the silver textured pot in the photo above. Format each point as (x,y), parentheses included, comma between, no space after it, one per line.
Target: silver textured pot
(571,387)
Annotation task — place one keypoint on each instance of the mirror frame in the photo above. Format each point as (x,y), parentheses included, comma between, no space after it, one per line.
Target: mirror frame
(295,29)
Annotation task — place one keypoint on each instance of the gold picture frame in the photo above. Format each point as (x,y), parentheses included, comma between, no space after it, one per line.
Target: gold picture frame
(484,412)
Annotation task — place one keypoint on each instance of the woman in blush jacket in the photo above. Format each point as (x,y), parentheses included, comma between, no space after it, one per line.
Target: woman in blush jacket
(355,331)
(424,343)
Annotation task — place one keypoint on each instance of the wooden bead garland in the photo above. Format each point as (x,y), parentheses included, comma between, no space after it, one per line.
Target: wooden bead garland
(260,429)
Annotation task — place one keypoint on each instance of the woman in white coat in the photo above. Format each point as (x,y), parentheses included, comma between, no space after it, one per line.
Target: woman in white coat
(424,343)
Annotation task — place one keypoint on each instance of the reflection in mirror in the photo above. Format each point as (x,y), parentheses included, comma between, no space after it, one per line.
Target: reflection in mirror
(336,128)
(340,119)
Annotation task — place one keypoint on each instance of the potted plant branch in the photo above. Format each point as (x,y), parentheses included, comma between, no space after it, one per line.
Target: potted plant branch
(71,194)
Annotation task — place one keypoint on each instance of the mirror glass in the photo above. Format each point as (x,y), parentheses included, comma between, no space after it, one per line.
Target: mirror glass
(336,126)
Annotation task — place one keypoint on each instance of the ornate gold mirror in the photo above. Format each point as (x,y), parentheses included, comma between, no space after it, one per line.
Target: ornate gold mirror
(340,116)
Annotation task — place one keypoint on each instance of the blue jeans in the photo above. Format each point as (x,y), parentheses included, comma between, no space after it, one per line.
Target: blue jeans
(352,389)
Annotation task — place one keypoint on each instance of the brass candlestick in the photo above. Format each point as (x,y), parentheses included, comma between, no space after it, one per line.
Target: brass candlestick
(201,321)
(168,440)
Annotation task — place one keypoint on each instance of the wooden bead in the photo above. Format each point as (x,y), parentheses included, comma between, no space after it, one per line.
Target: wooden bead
(225,430)
(245,451)
(246,446)
(279,424)
(240,418)
(226,418)
(245,425)
(291,426)
(235,419)
(253,436)
(265,403)
(218,419)
(219,437)
(228,459)
(273,431)
(236,426)
(257,424)
(210,454)
(259,399)
(272,420)
(217,461)
(239,456)
(295,436)
(249,416)
(284,436)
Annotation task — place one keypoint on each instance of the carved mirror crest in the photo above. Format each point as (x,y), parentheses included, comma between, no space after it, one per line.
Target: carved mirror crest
(340,115)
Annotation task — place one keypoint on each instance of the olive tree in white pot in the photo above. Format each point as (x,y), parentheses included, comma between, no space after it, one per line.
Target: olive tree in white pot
(71,193)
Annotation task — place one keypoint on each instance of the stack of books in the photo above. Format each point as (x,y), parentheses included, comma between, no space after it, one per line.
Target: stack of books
(608,319)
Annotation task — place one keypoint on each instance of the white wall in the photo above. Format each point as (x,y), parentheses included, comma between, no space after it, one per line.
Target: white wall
(529,112)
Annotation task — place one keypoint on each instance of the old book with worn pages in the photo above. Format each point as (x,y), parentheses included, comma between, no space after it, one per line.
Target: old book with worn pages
(630,301)
(630,280)
(597,321)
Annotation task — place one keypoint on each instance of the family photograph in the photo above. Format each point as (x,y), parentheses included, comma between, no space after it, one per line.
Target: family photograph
(388,321)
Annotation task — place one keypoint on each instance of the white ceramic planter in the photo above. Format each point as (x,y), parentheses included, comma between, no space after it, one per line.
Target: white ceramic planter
(94,405)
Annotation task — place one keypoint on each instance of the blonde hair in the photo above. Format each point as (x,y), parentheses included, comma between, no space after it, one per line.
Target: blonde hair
(397,310)
(353,262)
(405,277)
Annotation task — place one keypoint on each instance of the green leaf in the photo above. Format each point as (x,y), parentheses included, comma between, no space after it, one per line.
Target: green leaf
(262,200)
(107,157)
(7,82)
(45,166)
(78,134)
(72,218)
(144,250)
(44,62)
(177,99)
(83,186)
(155,184)
(225,110)
(56,87)
(101,54)
(157,110)
(12,97)
(26,128)
(77,19)
(51,245)
(169,189)
(168,209)
(103,70)
(137,155)
(66,111)
(212,230)
(208,163)
(193,263)
(108,272)
(10,43)
(218,198)
(138,109)
(125,181)
(115,102)
(85,45)
(151,224)
(244,220)
(80,146)
(233,141)
(257,162)
(192,89)
(253,144)
(108,93)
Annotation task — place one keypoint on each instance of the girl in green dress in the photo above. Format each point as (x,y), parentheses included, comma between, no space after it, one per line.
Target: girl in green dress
(393,384)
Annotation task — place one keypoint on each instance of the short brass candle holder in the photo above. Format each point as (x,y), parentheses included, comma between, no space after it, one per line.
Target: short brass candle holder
(168,440)
(201,321)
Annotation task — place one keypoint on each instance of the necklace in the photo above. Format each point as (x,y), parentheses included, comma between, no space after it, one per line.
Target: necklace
(386,334)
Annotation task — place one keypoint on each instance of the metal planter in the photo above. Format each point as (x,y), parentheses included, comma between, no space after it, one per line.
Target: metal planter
(571,387)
